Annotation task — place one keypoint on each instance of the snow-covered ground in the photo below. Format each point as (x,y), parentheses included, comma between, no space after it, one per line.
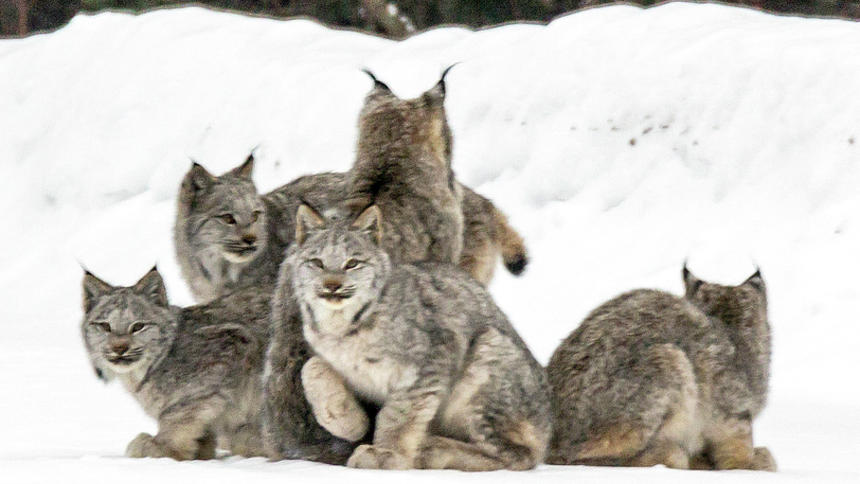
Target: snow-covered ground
(620,141)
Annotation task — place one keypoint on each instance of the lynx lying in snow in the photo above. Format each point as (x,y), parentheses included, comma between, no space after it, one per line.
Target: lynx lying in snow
(650,378)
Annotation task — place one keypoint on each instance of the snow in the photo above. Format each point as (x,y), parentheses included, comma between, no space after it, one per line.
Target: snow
(619,141)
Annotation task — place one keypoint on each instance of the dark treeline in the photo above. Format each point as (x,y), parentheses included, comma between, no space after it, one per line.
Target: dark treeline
(19,17)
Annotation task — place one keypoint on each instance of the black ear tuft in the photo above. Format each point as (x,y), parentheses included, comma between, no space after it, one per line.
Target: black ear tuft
(756,280)
(370,222)
(93,288)
(441,82)
(377,84)
(437,93)
(691,282)
(307,219)
(246,169)
(199,177)
(151,286)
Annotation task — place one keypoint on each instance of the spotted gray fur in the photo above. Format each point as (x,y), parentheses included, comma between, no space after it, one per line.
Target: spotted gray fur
(457,386)
(651,378)
(403,166)
(210,274)
(196,370)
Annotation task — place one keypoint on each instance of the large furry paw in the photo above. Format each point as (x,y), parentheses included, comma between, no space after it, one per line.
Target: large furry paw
(144,445)
(763,460)
(343,418)
(372,457)
(247,442)
(334,406)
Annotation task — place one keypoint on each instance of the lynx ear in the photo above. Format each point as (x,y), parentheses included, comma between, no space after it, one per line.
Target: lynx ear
(370,222)
(436,94)
(200,178)
(151,286)
(307,220)
(377,84)
(94,288)
(245,169)
(691,282)
(756,280)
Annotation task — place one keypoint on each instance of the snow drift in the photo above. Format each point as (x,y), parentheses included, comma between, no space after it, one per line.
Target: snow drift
(620,141)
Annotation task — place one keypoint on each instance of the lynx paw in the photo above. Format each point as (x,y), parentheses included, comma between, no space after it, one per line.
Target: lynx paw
(343,417)
(372,457)
(763,460)
(144,445)
(334,406)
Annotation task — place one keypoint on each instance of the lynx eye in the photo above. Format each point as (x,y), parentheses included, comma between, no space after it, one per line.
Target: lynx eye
(316,263)
(137,327)
(101,325)
(255,216)
(351,264)
(228,219)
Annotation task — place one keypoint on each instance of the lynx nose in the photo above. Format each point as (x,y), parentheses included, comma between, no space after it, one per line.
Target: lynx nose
(119,348)
(332,285)
(249,239)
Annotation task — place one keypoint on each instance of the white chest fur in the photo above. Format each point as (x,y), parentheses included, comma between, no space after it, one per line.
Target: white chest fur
(360,361)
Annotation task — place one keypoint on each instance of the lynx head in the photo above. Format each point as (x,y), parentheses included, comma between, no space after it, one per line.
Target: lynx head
(397,125)
(338,265)
(125,328)
(223,212)
(743,304)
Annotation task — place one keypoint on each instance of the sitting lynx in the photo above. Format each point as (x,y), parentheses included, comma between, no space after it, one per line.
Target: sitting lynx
(458,388)
(650,378)
(228,236)
(196,370)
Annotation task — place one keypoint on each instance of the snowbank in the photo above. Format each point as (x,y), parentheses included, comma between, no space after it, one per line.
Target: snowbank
(620,141)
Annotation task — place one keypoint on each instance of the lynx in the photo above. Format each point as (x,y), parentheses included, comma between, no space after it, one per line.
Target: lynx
(403,166)
(650,378)
(196,370)
(221,234)
(457,387)
(215,259)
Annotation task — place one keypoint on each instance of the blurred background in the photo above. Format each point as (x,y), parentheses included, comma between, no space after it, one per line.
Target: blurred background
(391,18)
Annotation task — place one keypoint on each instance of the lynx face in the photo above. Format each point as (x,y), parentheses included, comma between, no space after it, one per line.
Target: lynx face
(125,328)
(225,212)
(338,266)
(731,304)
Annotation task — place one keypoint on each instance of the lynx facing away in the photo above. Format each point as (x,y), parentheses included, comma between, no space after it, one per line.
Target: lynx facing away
(458,388)
(215,260)
(196,370)
(650,378)
(403,166)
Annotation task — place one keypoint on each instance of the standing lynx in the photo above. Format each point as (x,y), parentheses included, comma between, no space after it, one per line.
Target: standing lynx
(650,378)
(457,387)
(196,370)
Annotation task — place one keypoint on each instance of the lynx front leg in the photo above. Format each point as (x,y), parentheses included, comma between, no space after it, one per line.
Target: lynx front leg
(333,404)
(731,446)
(401,428)
(763,460)
(144,445)
(183,433)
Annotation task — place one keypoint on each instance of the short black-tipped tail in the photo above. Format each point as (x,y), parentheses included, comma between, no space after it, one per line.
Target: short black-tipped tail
(514,253)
